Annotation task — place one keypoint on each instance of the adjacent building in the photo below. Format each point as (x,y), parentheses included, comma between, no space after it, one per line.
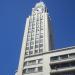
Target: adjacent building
(38,56)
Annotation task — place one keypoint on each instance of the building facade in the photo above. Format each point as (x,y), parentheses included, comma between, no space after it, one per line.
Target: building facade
(38,56)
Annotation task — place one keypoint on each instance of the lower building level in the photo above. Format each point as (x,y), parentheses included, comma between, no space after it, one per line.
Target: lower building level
(56,62)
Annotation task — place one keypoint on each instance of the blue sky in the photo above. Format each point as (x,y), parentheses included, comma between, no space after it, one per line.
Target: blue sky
(13,15)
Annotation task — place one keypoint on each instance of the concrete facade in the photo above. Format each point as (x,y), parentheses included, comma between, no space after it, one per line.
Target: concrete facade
(38,56)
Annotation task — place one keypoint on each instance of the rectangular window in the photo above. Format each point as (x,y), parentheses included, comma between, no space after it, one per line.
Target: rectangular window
(29,34)
(28,38)
(27,44)
(41,31)
(37,41)
(31,47)
(72,55)
(27,48)
(41,36)
(33,26)
(32,38)
(30,52)
(41,40)
(32,62)
(40,69)
(36,46)
(25,63)
(29,31)
(24,71)
(31,70)
(54,58)
(33,30)
(64,56)
(36,51)
(41,45)
(40,50)
(32,42)
(26,53)
(37,36)
(41,27)
(39,61)
(37,26)
(32,34)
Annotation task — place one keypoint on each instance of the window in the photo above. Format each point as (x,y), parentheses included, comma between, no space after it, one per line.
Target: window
(36,51)
(39,61)
(25,63)
(29,34)
(31,70)
(40,69)
(63,65)
(37,33)
(41,22)
(27,44)
(26,53)
(64,56)
(54,58)
(36,46)
(41,31)
(32,34)
(37,36)
(32,62)
(32,43)
(40,50)
(41,27)
(24,71)
(33,26)
(28,38)
(41,45)
(72,55)
(30,52)
(33,30)
(29,31)
(37,41)
(31,47)
(27,48)
(41,40)
(37,26)
(37,29)
(41,36)
(32,38)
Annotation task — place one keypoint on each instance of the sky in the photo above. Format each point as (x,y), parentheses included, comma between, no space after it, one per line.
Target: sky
(13,14)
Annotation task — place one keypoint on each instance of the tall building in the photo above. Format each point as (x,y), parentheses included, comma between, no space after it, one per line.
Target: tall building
(38,56)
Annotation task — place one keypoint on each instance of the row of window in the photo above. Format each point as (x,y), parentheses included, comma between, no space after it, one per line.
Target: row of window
(32,70)
(65,73)
(36,46)
(31,34)
(36,37)
(35,52)
(63,65)
(33,28)
(38,16)
(38,31)
(72,55)
(38,23)
(32,62)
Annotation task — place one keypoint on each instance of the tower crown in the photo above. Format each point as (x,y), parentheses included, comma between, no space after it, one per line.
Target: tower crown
(40,5)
